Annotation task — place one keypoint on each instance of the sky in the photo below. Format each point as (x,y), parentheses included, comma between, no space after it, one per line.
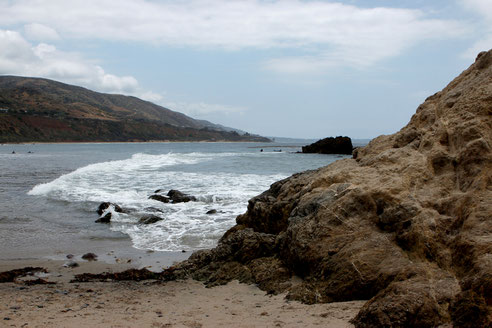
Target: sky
(289,68)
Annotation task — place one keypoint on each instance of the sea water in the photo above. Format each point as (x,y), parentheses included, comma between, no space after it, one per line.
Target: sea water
(50,192)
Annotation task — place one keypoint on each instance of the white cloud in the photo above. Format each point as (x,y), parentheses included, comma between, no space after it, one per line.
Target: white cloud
(484,44)
(336,33)
(202,109)
(150,96)
(16,53)
(19,57)
(483,9)
(40,32)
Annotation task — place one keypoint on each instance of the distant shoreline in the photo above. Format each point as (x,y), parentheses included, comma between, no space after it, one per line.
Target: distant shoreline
(364,142)
(121,142)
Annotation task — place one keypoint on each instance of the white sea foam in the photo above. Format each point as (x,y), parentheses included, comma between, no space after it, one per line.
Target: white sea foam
(130,182)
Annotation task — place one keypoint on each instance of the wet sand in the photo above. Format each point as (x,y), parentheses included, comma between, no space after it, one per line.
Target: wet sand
(151,303)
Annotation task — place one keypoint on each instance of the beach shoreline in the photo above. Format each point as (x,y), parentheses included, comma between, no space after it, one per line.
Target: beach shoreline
(44,231)
(151,303)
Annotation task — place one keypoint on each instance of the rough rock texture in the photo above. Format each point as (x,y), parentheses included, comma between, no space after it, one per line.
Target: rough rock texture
(406,224)
(330,145)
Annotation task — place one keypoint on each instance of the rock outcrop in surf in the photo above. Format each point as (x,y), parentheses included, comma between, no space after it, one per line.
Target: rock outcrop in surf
(173,196)
(330,145)
(406,224)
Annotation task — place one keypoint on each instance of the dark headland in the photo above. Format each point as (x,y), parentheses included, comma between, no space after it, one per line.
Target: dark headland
(42,110)
(405,225)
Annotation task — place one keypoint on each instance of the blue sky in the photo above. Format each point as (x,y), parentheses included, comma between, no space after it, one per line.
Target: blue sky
(306,69)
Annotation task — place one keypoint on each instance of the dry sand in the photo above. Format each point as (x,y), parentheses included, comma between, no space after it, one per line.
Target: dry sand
(152,304)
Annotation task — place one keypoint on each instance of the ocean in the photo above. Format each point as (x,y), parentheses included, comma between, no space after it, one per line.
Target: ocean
(49,194)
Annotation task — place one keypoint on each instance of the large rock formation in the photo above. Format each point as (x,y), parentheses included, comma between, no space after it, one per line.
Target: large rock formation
(406,224)
(330,145)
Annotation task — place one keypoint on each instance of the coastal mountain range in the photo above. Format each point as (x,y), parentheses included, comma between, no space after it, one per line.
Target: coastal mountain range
(36,109)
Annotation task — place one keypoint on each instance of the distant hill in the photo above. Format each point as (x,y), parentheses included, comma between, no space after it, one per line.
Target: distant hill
(35,109)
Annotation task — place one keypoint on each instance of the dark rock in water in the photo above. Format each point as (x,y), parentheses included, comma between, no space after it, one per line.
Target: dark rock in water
(160,198)
(89,257)
(149,219)
(174,196)
(153,209)
(158,191)
(105,205)
(69,256)
(211,212)
(179,197)
(338,145)
(105,219)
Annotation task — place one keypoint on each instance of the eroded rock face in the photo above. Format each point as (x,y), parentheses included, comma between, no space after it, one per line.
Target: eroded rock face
(405,224)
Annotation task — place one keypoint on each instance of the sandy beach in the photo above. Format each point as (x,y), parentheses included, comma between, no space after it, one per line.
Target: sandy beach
(151,303)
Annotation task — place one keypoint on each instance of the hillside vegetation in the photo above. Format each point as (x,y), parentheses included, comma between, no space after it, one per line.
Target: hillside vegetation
(34,109)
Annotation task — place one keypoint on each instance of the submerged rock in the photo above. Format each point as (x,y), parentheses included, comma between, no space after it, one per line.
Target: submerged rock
(405,224)
(211,212)
(160,198)
(149,219)
(153,209)
(330,145)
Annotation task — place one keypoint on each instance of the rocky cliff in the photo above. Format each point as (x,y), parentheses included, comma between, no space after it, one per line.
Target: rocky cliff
(406,224)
